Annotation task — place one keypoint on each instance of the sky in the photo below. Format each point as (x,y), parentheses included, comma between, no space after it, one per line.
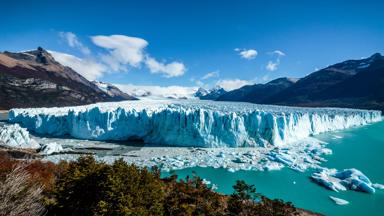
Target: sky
(194,43)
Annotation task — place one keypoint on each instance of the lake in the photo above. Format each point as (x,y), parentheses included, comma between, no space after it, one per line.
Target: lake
(361,148)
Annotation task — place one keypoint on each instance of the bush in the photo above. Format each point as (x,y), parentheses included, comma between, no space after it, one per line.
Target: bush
(91,188)
(191,197)
(18,196)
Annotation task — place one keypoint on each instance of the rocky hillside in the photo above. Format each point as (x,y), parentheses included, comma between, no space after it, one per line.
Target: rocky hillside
(113,91)
(352,83)
(35,79)
(259,92)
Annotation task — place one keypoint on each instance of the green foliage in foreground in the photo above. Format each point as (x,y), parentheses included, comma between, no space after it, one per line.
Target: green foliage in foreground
(87,187)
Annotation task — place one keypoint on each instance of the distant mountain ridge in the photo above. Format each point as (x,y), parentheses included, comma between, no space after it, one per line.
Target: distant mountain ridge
(113,91)
(259,92)
(211,94)
(34,79)
(352,83)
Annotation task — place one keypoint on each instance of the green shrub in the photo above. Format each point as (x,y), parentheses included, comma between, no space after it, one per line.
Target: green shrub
(88,187)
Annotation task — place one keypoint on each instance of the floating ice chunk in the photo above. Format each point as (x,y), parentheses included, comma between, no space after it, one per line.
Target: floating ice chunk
(50,148)
(271,165)
(352,179)
(14,136)
(378,186)
(214,187)
(191,123)
(339,201)
(325,177)
(206,182)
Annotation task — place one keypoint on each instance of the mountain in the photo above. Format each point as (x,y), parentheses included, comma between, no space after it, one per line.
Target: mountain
(259,92)
(114,92)
(201,92)
(34,79)
(211,94)
(352,83)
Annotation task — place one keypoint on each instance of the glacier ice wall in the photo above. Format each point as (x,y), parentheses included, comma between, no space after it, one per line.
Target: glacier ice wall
(191,123)
(15,136)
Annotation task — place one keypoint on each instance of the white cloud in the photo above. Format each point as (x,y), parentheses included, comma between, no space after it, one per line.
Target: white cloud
(159,92)
(265,78)
(247,53)
(278,53)
(122,50)
(89,69)
(74,42)
(212,74)
(272,66)
(172,69)
(231,84)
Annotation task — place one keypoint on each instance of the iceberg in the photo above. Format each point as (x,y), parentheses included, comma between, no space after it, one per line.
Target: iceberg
(14,136)
(51,148)
(352,179)
(339,201)
(191,123)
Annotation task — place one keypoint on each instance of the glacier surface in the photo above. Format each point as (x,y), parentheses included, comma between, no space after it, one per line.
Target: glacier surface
(191,123)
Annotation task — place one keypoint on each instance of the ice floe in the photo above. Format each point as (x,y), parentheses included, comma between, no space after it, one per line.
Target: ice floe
(339,201)
(351,179)
(51,148)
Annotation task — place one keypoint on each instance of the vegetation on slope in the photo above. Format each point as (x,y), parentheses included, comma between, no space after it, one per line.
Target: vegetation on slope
(88,187)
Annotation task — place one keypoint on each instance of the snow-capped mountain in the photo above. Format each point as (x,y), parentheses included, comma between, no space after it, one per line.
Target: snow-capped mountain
(35,79)
(211,94)
(201,92)
(113,91)
(352,83)
(258,92)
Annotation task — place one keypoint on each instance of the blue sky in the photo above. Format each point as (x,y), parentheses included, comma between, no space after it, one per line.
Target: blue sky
(191,43)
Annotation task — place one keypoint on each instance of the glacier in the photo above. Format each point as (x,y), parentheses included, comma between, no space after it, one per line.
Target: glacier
(191,123)
(15,136)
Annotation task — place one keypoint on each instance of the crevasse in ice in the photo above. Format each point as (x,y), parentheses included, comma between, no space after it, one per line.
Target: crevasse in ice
(191,123)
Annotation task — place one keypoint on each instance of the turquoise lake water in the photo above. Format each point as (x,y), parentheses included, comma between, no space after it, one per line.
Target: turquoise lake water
(361,148)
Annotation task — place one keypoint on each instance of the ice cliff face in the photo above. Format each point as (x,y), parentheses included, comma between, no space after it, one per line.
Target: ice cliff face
(191,123)
(16,137)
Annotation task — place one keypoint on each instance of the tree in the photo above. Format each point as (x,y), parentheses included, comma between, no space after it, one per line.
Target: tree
(242,201)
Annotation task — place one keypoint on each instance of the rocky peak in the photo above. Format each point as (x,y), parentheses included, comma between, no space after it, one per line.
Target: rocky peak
(40,56)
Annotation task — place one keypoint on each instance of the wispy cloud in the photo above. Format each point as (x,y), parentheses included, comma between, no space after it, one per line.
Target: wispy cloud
(121,52)
(278,53)
(212,74)
(273,65)
(74,42)
(246,53)
(231,84)
(89,69)
(172,69)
